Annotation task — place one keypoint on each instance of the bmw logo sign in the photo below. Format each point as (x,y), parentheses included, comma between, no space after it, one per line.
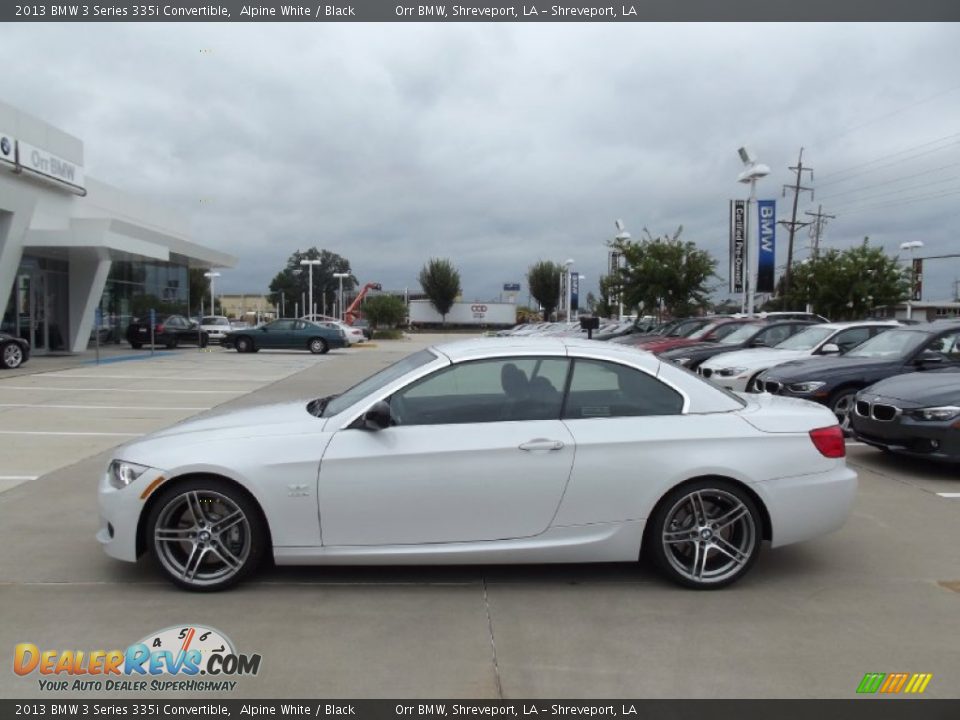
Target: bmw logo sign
(5,146)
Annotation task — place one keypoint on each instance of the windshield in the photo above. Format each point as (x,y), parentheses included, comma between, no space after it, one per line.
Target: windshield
(377,381)
(892,343)
(740,335)
(806,339)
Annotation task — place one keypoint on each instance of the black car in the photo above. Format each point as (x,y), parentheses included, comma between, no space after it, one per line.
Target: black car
(170,330)
(752,335)
(835,381)
(14,351)
(915,414)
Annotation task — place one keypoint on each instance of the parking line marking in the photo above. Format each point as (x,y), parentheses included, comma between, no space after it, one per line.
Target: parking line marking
(949,495)
(137,390)
(97,407)
(68,374)
(58,432)
(19,477)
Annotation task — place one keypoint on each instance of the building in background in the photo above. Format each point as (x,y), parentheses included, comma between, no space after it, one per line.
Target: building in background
(252,308)
(921,310)
(70,244)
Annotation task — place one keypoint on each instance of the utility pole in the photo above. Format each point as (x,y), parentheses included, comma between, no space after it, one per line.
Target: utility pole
(819,223)
(793,224)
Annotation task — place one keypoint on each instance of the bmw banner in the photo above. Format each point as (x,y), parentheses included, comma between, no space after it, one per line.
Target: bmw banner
(574,291)
(738,245)
(767,246)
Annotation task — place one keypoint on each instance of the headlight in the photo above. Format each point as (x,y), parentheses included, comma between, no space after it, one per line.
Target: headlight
(123,473)
(730,372)
(805,387)
(681,361)
(933,414)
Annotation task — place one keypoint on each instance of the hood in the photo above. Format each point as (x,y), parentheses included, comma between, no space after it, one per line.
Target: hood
(259,421)
(833,365)
(756,357)
(922,389)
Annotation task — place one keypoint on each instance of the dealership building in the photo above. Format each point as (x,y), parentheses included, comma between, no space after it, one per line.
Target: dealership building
(70,245)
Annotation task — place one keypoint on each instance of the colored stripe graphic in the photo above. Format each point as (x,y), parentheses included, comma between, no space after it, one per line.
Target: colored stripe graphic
(893,683)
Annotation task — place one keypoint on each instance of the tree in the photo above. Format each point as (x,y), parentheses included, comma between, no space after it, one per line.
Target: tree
(441,284)
(665,272)
(293,281)
(386,310)
(848,284)
(605,306)
(200,292)
(543,279)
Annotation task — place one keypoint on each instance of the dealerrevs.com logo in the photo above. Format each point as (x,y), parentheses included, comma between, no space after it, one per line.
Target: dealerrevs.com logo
(179,658)
(894,683)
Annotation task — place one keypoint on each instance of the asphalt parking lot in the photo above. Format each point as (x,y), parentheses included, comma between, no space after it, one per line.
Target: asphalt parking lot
(880,595)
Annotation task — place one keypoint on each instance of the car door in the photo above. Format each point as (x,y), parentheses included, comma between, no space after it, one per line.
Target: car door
(276,334)
(477,452)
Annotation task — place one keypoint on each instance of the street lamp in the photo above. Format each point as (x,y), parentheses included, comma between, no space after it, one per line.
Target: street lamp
(752,172)
(911,246)
(340,277)
(621,236)
(568,300)
(310,264)
(213,306)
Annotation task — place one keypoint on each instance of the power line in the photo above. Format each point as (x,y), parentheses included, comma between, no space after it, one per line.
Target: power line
(890,182)
(887,165)
(890,155)
(905,201)
(856,201)
(793,224)
(819,223)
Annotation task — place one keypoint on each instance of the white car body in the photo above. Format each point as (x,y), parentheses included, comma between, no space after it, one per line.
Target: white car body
(217,329)
(735,370)
(553,490)
(351,334)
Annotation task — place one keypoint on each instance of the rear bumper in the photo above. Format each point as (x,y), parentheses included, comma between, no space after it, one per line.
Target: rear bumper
(807,506)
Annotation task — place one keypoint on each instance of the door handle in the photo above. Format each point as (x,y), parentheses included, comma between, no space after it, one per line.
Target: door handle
(541,445)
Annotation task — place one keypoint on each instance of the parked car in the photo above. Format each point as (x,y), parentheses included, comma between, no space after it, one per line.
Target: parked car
(786,315)
(835,381)
(216,326)
(169,330)
(714,331)
(755,334)
(738,370)
(482,451)
(672,329)
(364,327)
(352,335)
(14,351)
(286,334)
(914,414)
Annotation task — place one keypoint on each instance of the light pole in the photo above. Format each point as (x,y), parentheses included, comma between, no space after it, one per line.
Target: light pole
(340,277)
(310,264)
(621,236)
(753,171)
(911,246)
(213,305)
(569,288)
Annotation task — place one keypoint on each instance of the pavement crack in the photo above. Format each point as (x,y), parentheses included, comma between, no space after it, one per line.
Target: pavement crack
(493,642)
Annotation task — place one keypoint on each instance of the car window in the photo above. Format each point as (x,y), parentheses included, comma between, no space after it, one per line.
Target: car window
(742,333)
(500,389)
(775,335)
(725,330)
(890,344)
(849,339)
(281,325)
(947,345)
(604,389)
(806,339)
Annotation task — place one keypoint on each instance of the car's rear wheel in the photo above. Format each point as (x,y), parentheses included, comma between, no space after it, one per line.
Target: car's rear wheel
(206,535)
(841,403)
(136,345)
(705,534)
(12,355)
(172,342)
(318,346)
(204,340)
(244,344)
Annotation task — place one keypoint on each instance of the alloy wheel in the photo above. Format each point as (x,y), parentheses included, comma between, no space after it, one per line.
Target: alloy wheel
(842,406)
(12,355)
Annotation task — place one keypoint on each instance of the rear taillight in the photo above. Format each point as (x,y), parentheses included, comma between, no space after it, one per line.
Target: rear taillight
(829,441)
(160,328)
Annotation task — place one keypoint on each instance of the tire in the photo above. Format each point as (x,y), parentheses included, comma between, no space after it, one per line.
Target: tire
(11,355)
(683,534)
(214,551)
(318,346)
(841,405)
(136,345)
(204,340)
(244,344)
(172,342)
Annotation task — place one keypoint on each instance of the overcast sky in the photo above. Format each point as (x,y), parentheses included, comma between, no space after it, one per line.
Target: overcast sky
(496,145)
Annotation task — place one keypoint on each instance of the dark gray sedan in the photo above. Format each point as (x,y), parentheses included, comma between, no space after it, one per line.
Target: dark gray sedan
(915,414)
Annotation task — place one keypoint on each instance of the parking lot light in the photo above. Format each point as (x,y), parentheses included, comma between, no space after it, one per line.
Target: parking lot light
(213,305)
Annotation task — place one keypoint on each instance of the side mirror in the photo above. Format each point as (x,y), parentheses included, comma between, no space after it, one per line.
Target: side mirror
(830,349)
(377,417)
(929,357)
(758,343)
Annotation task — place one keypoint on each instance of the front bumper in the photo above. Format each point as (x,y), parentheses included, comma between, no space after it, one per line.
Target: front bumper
(903,434)
(807,506)
(736,383)
(120,512)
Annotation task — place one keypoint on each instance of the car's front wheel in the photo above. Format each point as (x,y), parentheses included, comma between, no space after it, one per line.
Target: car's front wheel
(318,346)
(244,344)
(12,355)
(842,404)
(206,535)
(705,534)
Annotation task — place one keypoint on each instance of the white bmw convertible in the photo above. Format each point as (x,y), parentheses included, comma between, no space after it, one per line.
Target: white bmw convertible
(497,450)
